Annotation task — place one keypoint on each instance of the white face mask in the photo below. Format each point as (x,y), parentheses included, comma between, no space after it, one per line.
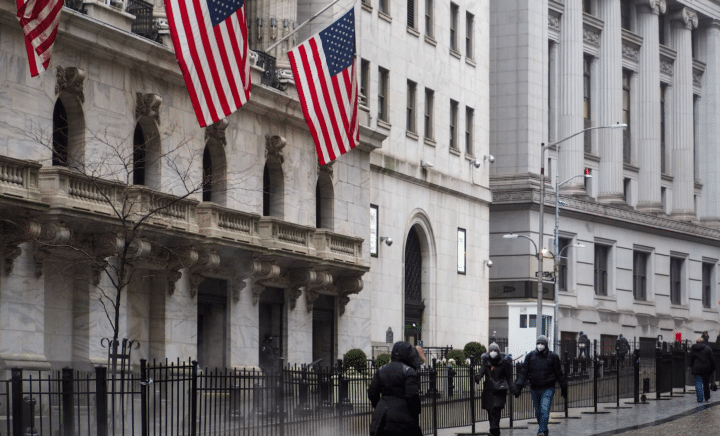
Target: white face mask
(541,347)
(493,354)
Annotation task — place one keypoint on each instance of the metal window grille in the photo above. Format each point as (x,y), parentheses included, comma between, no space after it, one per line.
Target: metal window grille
(587,61)
(411,13)
(707,274)
(143,23)
(469,122)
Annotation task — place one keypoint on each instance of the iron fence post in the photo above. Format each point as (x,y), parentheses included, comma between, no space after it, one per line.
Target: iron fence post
(658,373)
(101,400)
(280,398)
(143,398)
(595,376)
(471,373)
(68,412)
(617,378)
(567,372)
(433,387)
(29,403)
(636,375)
(17,406)
(193,398)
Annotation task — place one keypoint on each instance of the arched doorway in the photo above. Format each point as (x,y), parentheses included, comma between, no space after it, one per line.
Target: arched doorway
(414,301)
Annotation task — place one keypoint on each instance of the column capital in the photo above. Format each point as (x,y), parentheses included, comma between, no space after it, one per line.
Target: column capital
(710,23)
(655,6)
(685,17)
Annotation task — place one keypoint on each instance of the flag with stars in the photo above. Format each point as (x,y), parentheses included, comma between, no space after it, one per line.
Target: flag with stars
(211,45)
(326,81)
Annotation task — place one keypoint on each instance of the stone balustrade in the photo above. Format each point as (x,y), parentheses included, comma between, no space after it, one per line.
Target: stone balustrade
(334,246)
(216,221)
(19,178)
(281,235)
(64,188)
(162,209)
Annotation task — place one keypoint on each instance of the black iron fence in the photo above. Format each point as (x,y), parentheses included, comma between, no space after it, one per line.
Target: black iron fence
(178,398)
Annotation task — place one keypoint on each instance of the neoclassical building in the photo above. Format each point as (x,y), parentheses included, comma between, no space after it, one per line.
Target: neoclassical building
(649,217)
(243,234)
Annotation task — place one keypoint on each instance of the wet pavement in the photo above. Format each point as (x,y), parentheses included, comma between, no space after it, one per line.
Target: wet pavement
(677,415)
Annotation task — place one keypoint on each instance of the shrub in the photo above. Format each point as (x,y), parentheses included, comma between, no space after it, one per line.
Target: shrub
(382,359)
(475,350)
(458,356)
(355,359)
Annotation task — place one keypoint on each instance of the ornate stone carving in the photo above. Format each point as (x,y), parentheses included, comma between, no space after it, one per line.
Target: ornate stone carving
(697,78)
(261,271)
(148,105)
(216,131)
(311,296)
(70,80)
(347,286)
(208,260)
(327,168)
(322,283)
(273,146)
(12,234)
(666,67)
(40,256)
(656,6)
(591,37)
(685,16)
(554,22)
(237,287)
(184,257)
(630,52)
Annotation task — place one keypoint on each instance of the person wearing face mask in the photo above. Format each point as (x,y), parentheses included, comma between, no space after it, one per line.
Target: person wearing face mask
(497,370)
(542,369)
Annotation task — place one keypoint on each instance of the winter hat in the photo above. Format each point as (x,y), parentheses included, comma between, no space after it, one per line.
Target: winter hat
(700,340)
(493,346)
(581,333)
(542,339)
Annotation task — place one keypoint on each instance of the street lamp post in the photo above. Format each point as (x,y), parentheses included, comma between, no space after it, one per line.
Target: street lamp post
(538,322)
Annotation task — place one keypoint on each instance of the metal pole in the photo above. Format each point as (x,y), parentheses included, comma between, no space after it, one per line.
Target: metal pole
(471,373)
(557,246)
(538,319)
(267,50)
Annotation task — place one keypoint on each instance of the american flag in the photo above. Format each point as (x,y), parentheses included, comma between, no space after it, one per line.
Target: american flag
(326,81)
(210,40)
(39,21)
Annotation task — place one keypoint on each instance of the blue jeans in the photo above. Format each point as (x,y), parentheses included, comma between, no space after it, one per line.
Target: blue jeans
(702,387)
(542,400)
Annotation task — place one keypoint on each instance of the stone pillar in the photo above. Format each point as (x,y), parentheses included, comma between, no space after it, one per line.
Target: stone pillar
(570,109)
(647,132)
(284,14)
(709,127)
(680,98)
(610,103)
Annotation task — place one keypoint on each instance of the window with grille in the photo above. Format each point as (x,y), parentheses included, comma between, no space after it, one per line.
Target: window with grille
(676,265)
(453,124)
(429,17)
(640,275)
(410,111)
(429,97)
(601,269)
(469,121)
(707,279)
(587,63)
(469,29)
(626,116)
(411,14)
(562,263)
(383,76)
(453,26)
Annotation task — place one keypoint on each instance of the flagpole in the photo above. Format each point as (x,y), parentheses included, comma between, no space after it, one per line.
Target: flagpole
(267,50)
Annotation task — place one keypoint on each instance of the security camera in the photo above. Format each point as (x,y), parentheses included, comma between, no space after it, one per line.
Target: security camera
(388,241)
(477,163)
(489,263)
(490,158)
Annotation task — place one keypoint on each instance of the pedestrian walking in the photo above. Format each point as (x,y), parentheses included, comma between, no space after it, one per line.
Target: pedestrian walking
(622,347)
(543,371)
(702,365)
(706,337)
(496,368)
(395,394)
(717,340)
(584,345)
(268,355)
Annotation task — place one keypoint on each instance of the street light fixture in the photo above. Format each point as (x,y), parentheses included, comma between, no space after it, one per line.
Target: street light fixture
(544,147)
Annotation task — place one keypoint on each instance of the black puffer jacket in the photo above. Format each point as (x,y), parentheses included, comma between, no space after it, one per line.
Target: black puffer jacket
(701,360)
(494,370)
(542,370)
(395,394)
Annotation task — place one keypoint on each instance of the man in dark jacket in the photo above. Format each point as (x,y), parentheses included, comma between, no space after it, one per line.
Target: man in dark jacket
(622,346)
(583,345)
(702,365)
(542,370)
(498,373)
(395,394)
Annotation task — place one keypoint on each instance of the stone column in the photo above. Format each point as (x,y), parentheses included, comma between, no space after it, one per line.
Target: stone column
(647,132)
(609,112)
(709,127)
(680,98)
(570,109)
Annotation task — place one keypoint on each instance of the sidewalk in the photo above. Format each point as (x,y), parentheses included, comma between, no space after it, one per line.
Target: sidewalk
(613,422)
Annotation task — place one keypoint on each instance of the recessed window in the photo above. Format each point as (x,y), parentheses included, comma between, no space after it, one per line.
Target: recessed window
(663,158)
(564,255)
(384,6)
(374,222)
(411,104)
(429,97)
(412,14)
(640,260)
(429,17)
(383,77)
(602,254)
(461,250)
(364,81)
(626,13)
(453,26)
(676,288)
(469,31)
(707,284)
(60,135)
(587,64)
(587,6)
(453,124)
(469,122)
(627,146)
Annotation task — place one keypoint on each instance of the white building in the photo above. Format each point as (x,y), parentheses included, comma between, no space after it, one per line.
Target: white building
(273,244)
(649,218)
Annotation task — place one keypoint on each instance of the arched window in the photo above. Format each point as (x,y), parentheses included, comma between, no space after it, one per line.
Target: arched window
(214,173)
(60,135)
(324,198)
(146,154)
(414,302)
(273,188)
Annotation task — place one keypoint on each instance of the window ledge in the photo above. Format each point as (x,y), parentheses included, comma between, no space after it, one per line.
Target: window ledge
(605,298)
(368,7)
(455,54)
(384,124)
(470,62)
(644,302)
(430,40)
(429,141)
(385,16)
(709,310)
(454,151)
(412,135)
(413,31)
(678,307)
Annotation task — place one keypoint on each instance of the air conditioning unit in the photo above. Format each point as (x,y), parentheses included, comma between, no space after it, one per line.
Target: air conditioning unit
(252,57)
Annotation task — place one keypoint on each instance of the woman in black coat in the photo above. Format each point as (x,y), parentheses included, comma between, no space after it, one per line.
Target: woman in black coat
(395,394)
(498,373)
(702,365)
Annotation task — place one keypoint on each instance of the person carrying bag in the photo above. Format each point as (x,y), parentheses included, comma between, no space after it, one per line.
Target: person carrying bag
(496,368)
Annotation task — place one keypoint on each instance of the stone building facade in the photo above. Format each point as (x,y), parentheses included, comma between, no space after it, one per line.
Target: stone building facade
(648,218)
(249,236)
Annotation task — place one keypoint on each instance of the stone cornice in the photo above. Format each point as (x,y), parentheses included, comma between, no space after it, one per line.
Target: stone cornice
(618,215)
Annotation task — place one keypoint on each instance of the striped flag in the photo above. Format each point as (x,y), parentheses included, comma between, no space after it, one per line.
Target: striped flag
(39,21)
(210,40)
(326,81)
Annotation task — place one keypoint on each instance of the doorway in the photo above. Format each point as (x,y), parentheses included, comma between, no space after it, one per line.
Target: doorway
(323,332)
(270,319)
(212,323)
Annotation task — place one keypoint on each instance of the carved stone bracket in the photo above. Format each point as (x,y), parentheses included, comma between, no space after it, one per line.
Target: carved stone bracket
(208,260)
(261,271)
(10,253)
(237,287)
(323,283)
(148,105)
(98,267)
(40,256)
(347,286)
(273,146)
(185,257)
(216,131)
(12,235)
(70,80)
